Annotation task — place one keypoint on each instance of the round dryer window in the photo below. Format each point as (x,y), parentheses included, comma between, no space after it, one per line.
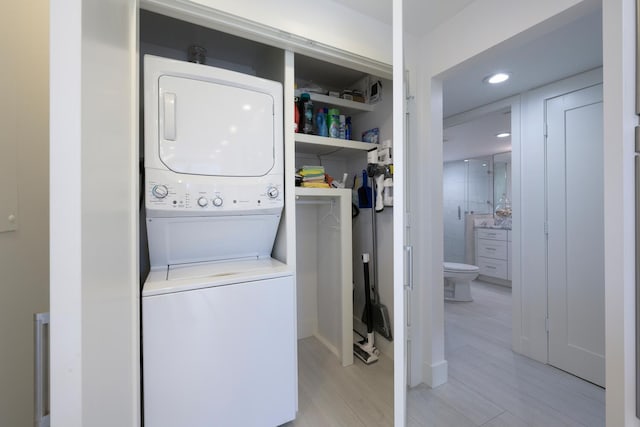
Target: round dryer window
(209,128)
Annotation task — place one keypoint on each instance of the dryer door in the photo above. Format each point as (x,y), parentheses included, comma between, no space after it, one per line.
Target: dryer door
(209,128)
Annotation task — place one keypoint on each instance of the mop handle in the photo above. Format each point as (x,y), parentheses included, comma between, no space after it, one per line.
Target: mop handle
(374,243)
(367,294)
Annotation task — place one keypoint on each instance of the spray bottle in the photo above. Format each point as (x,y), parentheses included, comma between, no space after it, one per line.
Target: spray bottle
(307,113)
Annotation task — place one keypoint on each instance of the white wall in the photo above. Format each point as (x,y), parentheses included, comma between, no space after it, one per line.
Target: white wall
(328,22)
(94,279)
(480,26)
(620,256)
(24,253)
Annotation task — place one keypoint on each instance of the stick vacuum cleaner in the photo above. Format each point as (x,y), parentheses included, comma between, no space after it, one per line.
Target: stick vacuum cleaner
(365,350)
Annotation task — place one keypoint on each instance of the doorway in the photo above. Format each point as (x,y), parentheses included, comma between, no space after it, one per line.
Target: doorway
(522,250)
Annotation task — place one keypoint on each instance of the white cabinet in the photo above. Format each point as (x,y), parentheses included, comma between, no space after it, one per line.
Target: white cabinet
(492,253)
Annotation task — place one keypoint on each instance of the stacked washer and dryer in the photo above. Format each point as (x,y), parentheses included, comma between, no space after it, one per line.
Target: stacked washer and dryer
(218,313)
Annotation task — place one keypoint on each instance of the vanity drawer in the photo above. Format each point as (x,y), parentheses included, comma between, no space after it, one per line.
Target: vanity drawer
(492,249)
(491,234)
(492,267)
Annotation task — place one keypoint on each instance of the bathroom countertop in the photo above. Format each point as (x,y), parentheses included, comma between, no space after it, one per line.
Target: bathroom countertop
(492,223)
(493,227)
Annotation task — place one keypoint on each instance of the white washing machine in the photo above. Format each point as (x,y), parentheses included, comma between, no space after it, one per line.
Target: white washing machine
(218,313)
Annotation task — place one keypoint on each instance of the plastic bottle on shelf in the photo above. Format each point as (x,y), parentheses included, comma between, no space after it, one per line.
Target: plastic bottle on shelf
(343,126)
(347,129)
(333,121)
(307,113)
(321,122)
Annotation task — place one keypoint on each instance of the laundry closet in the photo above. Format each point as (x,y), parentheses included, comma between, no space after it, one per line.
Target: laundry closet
(322,232)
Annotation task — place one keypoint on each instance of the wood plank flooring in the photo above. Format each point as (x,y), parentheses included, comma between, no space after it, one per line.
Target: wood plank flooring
(489,385)
(330,395)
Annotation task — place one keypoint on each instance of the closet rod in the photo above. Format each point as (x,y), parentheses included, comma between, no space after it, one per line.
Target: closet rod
(314,202)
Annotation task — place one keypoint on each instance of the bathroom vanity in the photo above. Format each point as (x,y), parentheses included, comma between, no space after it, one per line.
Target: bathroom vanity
(493,255)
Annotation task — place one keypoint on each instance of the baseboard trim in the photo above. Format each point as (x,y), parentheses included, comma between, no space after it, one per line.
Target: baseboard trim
(436,374)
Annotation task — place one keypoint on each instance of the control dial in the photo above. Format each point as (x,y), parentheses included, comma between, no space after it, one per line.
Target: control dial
(160,191)
(217,201)
(203,202)
(272,192)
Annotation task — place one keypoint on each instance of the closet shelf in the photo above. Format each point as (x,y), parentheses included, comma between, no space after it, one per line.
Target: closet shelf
(322,145)
(321,193)
(345,106)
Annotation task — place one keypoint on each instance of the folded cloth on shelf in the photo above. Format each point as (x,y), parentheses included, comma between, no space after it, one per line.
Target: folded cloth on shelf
(315,185)
(311,170)
(312,177)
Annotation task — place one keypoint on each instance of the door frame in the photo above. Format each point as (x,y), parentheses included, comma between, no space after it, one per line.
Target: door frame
(514,104)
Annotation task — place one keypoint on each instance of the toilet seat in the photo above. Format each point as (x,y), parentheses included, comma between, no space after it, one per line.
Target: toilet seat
(455,267)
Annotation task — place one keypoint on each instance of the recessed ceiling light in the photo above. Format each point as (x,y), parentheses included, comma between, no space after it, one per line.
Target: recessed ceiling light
(497,78)
(466,160)
(503,135)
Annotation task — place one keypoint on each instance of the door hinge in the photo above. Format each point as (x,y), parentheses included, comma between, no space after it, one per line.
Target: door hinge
(546,130)
(546,324)
(546,228)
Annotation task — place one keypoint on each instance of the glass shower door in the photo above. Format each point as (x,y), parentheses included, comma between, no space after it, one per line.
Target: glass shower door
(467,189)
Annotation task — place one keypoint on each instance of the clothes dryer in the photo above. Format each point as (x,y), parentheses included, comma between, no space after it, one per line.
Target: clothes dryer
(214,184)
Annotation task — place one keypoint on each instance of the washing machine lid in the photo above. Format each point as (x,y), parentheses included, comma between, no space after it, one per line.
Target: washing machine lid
(187,277)
(244,268)
(454,266)
(215,128)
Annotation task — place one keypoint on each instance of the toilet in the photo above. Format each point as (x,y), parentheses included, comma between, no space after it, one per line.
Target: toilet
(457,281)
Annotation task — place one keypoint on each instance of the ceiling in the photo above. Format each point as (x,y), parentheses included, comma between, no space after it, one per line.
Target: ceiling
(420,16)
(571,48)
(477,137)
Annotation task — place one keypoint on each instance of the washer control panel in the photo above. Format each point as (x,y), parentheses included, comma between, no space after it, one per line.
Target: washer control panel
(202,195)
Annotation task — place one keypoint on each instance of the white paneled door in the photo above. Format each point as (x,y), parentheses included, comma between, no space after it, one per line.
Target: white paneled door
(575,222)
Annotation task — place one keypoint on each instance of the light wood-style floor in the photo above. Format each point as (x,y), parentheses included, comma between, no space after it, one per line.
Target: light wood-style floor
(488,385)
(330,395)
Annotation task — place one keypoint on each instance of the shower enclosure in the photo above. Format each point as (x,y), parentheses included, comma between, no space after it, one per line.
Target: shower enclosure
(467,189)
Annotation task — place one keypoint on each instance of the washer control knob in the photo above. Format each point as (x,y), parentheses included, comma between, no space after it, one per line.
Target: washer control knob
(217,201)
(272,192)
(202,202)
(160,191)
